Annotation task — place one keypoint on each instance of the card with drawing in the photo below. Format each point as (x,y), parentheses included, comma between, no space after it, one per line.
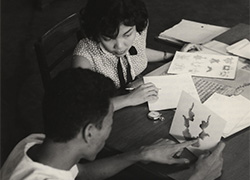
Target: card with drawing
(205,65)
(194,120)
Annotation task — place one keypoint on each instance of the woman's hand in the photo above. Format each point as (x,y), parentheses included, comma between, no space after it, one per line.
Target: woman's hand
(145,92)
(191,47)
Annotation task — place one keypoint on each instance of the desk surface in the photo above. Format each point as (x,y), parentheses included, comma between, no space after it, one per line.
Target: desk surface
(132,129)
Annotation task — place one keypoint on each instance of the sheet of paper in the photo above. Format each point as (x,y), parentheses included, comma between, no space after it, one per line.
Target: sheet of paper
(194,32)
(170,88)
(194,120)
(205,65)
(232,109)
(214,47)
(244,123)
(241,48)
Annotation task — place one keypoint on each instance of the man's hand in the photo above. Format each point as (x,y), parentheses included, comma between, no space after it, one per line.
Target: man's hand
(164,150)
(209,167)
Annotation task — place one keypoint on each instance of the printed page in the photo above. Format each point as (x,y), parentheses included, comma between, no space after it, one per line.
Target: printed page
(204,65)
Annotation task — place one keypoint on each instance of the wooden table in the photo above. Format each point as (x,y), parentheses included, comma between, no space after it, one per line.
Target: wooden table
(132,129)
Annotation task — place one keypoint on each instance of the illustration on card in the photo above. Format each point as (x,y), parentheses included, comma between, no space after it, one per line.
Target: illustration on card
(193,120)
(205,65)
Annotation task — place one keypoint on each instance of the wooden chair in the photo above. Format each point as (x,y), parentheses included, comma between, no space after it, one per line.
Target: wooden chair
(54,49)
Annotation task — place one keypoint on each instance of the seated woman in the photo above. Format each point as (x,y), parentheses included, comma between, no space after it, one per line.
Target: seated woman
(115,45)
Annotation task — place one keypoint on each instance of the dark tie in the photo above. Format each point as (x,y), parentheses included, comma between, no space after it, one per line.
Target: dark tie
(132,51)
(122,80)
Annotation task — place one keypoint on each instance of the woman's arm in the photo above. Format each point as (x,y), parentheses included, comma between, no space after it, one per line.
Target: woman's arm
(139,95)
(143,93)
(155,55)
(80,61)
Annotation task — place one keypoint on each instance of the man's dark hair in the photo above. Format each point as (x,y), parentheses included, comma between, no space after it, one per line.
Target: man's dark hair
(75,98)
(103,17)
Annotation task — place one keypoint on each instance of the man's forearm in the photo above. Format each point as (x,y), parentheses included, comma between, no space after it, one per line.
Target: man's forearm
(107,167)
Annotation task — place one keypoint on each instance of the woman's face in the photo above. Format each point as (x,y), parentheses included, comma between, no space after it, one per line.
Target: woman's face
(122,43)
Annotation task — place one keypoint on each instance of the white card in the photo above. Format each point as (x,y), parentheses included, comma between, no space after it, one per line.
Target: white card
(194,120)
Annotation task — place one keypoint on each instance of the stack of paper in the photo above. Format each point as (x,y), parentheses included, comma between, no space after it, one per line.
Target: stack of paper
(205,65)
(214,47)
(241,48)
(193,32)
(235,110)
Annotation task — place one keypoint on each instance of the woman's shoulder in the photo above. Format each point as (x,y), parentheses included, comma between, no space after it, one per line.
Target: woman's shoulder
(85,46)
(85,42)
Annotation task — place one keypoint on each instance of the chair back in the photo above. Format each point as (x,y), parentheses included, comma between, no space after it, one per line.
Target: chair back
(55,48)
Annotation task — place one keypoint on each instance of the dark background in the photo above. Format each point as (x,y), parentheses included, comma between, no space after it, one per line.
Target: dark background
(22,24)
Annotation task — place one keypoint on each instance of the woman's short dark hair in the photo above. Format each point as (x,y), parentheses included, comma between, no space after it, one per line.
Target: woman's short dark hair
(75,98)
(103,17)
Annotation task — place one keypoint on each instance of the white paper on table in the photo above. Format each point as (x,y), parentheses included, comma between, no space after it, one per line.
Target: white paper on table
(244,123)
(214,47)
(205,65)
(234,110)
(170,88)
(241,48)
(182,128)
(194,32)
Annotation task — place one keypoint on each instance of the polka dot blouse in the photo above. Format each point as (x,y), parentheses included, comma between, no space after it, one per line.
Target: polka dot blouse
(106,63)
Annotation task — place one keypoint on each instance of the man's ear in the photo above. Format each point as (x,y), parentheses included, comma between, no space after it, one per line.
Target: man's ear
(89,132)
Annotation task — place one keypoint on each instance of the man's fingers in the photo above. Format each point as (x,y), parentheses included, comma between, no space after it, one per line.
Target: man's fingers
(187,143)
(179,161)
(218,150)
(158,140)
(178,154)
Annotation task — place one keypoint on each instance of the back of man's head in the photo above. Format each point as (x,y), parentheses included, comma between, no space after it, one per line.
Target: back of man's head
(75,98)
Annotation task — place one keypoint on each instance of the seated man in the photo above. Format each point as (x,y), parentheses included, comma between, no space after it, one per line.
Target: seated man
(78,116)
